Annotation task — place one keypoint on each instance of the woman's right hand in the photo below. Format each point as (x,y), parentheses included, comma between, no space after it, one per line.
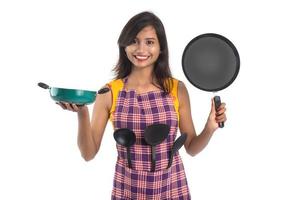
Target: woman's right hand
(70,106)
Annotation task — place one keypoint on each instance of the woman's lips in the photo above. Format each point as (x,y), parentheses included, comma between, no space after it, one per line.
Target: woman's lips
(141,57)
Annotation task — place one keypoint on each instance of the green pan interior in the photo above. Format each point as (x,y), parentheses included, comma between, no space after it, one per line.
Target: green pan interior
(79,97)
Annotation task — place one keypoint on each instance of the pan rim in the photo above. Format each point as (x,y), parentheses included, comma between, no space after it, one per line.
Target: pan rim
(232,47)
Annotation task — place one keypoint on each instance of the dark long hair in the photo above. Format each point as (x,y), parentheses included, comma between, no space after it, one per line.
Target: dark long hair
(161,70)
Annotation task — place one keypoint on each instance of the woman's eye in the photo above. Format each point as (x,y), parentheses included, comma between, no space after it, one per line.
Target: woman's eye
(134,41)
(149,42)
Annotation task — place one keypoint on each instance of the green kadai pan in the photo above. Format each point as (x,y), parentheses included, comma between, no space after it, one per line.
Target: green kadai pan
(76,96)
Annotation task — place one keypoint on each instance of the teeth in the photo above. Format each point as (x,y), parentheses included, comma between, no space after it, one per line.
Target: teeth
(141,57)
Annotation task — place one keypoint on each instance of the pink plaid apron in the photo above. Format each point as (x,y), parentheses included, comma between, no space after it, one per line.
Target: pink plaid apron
(136,112)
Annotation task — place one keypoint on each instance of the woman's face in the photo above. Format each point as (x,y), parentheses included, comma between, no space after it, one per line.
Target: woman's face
(145,49)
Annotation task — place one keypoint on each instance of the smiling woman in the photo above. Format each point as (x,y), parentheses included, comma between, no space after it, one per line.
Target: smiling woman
(145,49)
(143,95)
(144,37)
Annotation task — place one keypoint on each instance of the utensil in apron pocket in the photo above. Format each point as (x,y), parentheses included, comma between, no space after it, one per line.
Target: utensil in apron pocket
(155,134)
(179,142)
(126,138)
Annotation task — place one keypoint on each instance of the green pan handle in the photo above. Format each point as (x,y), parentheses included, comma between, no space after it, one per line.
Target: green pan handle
(43,85)
(103,90)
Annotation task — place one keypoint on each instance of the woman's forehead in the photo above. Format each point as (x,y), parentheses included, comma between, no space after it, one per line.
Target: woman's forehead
(147,32)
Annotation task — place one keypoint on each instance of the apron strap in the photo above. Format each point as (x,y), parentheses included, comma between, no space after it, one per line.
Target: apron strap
(115,86)
(174,94)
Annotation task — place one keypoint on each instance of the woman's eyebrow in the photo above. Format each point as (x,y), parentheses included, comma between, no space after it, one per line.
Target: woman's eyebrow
(150,38)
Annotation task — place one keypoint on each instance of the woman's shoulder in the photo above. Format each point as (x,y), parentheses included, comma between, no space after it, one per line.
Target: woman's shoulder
(181,85)
(174,79)
(178,84)
(116,83)
(182,91)
(179,89)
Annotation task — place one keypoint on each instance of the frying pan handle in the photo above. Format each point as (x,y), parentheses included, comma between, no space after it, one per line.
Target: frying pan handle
(217,100)
(43,85)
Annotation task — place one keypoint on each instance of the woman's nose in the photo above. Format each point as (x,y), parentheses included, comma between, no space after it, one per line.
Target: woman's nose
(141,46)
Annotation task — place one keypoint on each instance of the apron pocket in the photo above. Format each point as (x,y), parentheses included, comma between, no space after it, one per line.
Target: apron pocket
(147,185)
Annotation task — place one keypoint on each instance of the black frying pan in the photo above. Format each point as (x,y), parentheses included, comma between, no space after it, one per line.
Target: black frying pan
(211,63)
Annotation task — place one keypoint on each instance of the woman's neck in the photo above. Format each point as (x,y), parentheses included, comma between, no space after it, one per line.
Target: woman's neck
(141,77)
(141,80)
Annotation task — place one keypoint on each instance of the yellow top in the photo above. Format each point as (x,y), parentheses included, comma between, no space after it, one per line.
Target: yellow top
(117,85)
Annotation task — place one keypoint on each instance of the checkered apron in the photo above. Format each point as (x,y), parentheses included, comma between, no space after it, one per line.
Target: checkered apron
(136,112)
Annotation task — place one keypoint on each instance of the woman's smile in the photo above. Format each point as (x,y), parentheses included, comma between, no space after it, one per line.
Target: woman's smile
(144,49)
(141,57)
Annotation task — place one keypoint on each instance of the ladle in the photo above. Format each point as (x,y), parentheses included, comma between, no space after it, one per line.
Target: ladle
(126,138)
(154,135)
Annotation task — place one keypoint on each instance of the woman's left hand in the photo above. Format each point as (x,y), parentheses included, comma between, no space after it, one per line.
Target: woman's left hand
(216,117)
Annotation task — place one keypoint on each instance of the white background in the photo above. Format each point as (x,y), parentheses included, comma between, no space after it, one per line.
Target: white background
(74,44)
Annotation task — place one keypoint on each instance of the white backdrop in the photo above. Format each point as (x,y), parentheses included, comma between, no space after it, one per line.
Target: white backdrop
(74,44)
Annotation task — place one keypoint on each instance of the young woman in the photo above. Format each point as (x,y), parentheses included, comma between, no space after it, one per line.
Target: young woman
(144,93)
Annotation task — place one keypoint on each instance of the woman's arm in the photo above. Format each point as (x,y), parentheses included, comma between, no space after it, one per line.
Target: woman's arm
(196,143)
(90,132)
(100,117)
